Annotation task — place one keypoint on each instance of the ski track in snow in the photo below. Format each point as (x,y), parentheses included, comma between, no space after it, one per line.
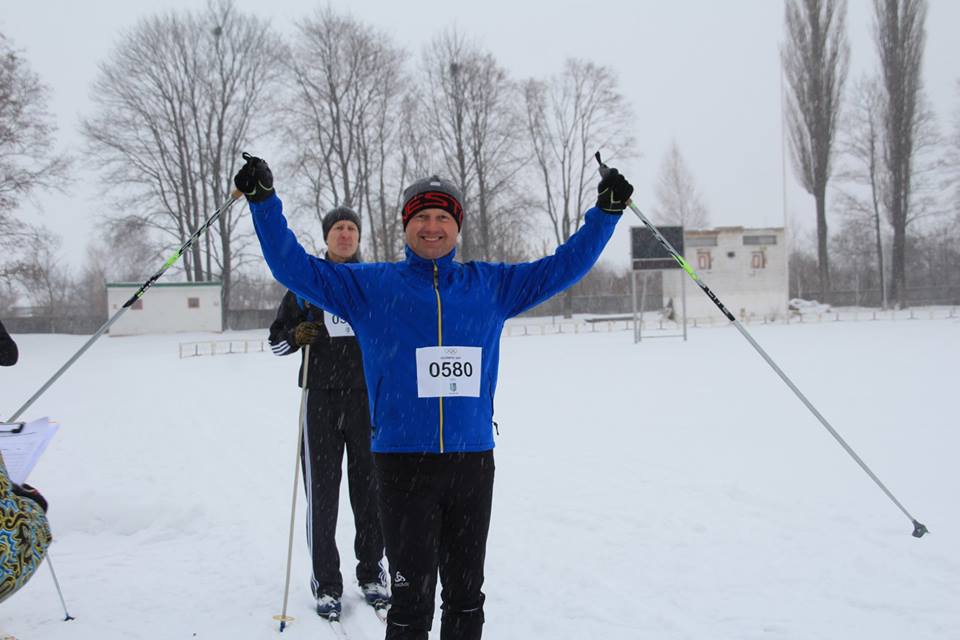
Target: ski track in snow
(665,490)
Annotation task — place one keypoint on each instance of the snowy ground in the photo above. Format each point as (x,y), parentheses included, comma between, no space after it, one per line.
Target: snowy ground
(665,490)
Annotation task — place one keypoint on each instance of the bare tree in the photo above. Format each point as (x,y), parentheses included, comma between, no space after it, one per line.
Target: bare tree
(569,117)
(444,108)
(27,160)
(379,156)
(134,253)
(908,121)
(412,162)
(952,182)
(471,110)
(678,200)
(8,297)
(496,150)
(344,118)
(89,291)
(855,264)
(862,143)
(45,280)
(802,259)
(176,103)
(815,61)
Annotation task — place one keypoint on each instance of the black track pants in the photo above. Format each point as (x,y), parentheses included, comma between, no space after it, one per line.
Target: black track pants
(435,511)
(338,419)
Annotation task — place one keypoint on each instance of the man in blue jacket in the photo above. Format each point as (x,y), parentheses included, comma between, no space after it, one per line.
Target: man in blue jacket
(429,329)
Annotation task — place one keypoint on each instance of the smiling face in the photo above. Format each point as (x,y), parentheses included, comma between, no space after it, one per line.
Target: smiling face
(343,241)
(431,233)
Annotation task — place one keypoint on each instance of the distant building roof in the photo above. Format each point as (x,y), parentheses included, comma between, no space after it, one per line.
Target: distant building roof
(165,284)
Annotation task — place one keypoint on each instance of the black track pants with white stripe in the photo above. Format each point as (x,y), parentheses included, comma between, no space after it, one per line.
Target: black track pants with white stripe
(338,419)
(435,510)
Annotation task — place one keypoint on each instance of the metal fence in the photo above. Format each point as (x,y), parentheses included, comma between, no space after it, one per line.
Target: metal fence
(221,347)
(237,320)
(654,322)
(916,296)
(83,325)
(866,301)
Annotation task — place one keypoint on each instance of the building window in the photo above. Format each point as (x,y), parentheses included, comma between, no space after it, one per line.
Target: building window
(700,241)
(137,305)
(193,303)
(758,260)
(754,240)
(704,260)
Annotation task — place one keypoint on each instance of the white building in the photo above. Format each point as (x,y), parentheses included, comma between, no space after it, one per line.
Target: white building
(745,268)
(166,307)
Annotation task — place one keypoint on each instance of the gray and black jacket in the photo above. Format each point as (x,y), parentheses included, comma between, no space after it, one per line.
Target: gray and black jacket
(335,362)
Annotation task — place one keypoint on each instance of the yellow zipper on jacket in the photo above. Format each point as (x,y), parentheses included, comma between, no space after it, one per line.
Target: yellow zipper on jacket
(436,290)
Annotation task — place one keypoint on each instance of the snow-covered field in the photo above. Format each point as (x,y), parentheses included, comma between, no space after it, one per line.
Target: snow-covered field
(665,490)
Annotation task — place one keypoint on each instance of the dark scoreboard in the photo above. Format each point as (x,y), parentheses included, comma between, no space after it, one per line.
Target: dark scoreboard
(647,253)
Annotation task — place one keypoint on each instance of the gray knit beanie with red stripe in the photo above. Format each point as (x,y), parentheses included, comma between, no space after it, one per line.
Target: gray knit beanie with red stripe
(432,193)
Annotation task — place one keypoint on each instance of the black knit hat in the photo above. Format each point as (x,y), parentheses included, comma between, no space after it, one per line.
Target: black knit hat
(336,215)
(432,193)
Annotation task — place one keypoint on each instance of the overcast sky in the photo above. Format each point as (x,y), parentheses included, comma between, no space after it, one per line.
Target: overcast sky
(702,72)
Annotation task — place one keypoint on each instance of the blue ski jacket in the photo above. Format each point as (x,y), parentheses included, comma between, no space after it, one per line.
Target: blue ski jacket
(397,308)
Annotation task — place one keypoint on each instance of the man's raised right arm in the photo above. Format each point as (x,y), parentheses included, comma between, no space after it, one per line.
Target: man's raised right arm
(319,281)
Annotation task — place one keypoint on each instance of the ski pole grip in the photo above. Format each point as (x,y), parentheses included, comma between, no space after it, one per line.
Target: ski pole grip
(604,169)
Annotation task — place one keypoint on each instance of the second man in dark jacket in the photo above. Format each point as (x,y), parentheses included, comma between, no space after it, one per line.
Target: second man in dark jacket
(337,418)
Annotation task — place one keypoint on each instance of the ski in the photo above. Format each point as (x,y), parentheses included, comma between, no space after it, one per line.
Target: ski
(337,627)
(381,609)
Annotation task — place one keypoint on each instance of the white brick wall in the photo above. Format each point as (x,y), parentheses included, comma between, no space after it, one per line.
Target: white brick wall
(166,308)
(749,279)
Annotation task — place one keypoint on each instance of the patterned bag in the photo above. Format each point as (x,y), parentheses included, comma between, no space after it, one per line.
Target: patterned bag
(24,537)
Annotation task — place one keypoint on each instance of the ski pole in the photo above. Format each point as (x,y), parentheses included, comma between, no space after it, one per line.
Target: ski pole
(56,583)
(282,616)
(918,528)
(129,303)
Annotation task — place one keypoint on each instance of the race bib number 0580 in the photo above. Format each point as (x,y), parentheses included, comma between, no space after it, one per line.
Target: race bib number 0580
(444,372)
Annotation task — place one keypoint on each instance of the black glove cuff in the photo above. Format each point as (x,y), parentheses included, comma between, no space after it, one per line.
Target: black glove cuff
(259,194)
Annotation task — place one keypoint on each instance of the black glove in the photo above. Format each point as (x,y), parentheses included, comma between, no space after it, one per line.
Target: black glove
(26,491)
(254,179)
(306,333)
(613,191)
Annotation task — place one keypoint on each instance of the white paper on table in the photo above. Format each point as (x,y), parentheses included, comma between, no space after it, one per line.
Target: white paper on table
(22,446)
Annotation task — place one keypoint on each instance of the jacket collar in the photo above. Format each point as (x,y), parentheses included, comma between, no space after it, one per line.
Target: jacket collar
(355,258)
(443,263)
